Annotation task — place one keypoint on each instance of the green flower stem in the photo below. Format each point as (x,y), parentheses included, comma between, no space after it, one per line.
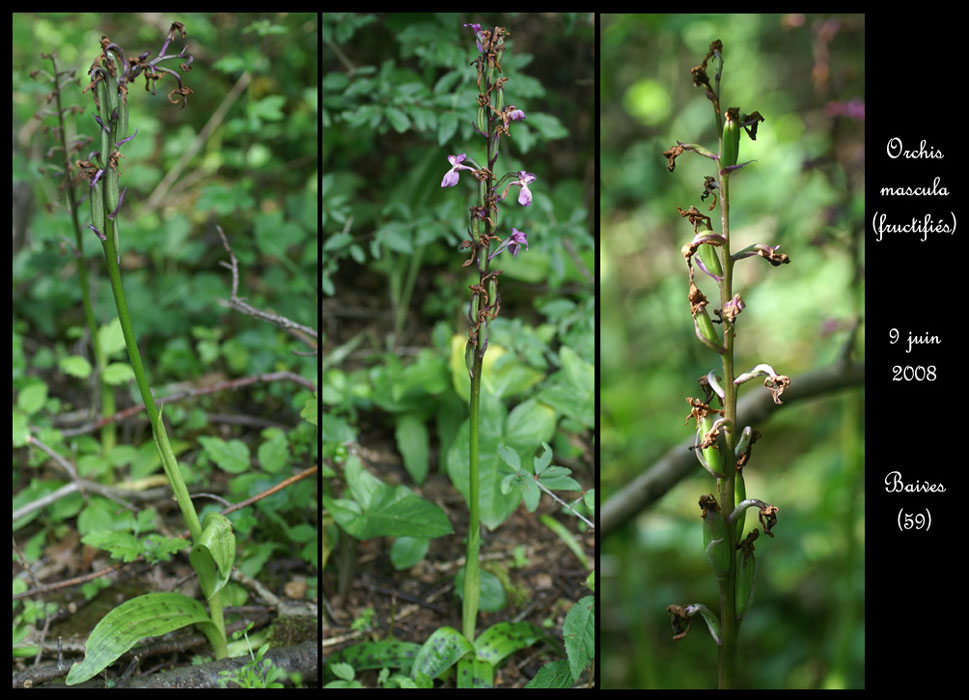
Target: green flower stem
(729,624)
(165,452)
(472,571)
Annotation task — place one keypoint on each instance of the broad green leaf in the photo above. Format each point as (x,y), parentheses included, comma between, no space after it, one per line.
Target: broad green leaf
(381,510)
(213,555)
(494,505)
(126,625)
(370,655)
(274,453)
(31,398)
(541,462)
(554,674)
(405,552)
(232,456)
(558,479)
(111,338)
(413,444)
(579,634)
(473,673)
(491,594)
(530,424)
(442,650)
(76,366)
(510,457)
(309,412)
(505,638)
(118,373)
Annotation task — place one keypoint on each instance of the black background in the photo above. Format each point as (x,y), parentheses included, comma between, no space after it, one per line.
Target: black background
(915,580)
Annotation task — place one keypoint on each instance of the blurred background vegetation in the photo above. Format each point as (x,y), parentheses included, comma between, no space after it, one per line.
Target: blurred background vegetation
(805,74)
(241,154)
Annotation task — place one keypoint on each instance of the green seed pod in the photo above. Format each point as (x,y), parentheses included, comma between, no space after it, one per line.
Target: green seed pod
(739,495)
(501,99)
(97,206)
(111,191)
(711,454)
(123,118)
(117,240)
(705,330)
(746,577)
(711,259)
(731,138)
(716,545)
(482,120)
(743,441)
(473,313)
(492,149)
(492,290)
(469,358)
(101,92)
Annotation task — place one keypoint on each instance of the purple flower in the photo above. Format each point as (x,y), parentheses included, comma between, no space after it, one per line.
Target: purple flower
(525,197)
(451,176)
(476,28)
(513,243)
(516,114)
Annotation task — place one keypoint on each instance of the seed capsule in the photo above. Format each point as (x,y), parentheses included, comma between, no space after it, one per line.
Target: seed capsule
(705,330)
(111,193)
(97,206)
(716,545)
(482,120)
(123,119)
(711,454)
(739,495)
(746,577)
(731,138)
(711,259)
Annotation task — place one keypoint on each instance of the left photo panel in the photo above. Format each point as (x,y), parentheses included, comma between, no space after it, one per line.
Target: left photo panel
(459,348)
(165,306)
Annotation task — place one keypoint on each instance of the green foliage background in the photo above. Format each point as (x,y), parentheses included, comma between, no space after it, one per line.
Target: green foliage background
(805,192)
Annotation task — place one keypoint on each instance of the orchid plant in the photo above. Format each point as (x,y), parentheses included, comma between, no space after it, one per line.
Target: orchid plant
(492,122)
(213,542)
(476,655)
(722,447)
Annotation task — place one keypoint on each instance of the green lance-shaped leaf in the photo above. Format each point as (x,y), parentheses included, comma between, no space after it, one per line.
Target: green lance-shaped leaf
(443,649)
(371,655)
(213,554)
(503,639)
(145,616)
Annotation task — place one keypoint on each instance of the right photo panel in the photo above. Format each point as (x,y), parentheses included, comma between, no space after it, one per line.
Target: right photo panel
(732,380)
